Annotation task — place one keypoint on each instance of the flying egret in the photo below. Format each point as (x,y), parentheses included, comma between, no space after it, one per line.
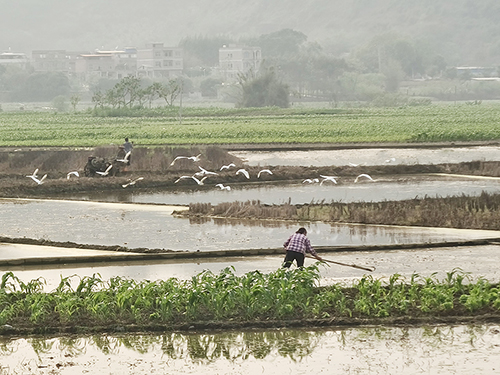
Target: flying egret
(222,187)
(199,182)
(74,173)
(227,166)
(125,158)
(181,178)
(363,175)
(106,172)
(34,174)
(38,181)
(132,182)
(243,171)
(264,170)
(328,178)
(310,181)
(204,172)
(193,158)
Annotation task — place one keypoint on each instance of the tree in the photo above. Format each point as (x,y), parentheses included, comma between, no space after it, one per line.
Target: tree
(99,99)
(128,91)
(74,100)
(285,42)
(263,90)
(170,91)
(59,103)
(202,50)
(208,87)
(44,86)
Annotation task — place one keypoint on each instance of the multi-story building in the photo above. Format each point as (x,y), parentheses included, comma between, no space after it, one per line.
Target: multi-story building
(235,59)
(12,58)
(158,61)
(96,64)
(107,64)
(50,61)
(155,61)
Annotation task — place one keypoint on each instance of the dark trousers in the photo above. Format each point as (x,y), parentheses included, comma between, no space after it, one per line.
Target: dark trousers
(291,256)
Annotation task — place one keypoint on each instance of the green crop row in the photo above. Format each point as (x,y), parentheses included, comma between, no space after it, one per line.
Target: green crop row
(280,295)
(412,124)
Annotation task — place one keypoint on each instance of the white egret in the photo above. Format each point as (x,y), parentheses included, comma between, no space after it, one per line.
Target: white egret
(363,175)
(328,178)
(181,178)
(204,172)
(199,182)
(264,171)
(227,166)
(34,174)
(125,158)
(310,181)
(244,172)
(132,182)
(193,158)
(74,173)
(222,187)
(106,172)
(38,181)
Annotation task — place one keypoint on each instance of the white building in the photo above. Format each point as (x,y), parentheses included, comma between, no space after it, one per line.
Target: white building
(238,59)
(158,61)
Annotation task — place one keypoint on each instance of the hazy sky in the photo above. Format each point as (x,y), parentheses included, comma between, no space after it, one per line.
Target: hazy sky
(468,27)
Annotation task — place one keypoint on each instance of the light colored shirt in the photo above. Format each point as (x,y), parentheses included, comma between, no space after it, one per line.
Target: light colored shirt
(300,243)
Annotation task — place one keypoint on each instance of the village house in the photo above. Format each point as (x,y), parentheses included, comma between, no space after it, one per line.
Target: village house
(158,61)
(234,60)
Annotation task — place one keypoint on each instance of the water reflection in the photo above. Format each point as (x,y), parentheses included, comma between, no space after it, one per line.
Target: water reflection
(154,227)
(378,350)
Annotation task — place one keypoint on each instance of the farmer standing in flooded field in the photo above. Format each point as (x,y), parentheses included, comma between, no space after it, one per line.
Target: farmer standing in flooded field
(296,246)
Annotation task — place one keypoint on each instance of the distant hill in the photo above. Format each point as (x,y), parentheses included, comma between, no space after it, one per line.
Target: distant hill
(465,31)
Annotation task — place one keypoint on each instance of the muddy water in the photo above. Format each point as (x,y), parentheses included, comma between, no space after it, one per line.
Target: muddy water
(407,187)
(476,261)
(369,156)
(154,227)
(460,349)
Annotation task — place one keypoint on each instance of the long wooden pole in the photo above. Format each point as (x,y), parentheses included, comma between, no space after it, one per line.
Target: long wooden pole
(371,269)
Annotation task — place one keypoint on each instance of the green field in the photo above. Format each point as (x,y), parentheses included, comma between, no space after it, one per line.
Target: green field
(219,126)
(226,297)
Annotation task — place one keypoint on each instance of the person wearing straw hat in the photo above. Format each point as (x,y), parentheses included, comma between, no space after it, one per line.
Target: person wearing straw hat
(296,246)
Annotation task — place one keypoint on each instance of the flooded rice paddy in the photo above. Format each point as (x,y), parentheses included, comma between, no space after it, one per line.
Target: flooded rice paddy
(154,227)
(397,188)
(370,156)
(461,349)
(375,350)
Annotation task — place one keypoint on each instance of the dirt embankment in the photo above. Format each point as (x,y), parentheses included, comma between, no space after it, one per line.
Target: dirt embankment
(404,321)
(155,166)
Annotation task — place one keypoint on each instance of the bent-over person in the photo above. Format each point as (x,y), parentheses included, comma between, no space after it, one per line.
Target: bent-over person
(296,246)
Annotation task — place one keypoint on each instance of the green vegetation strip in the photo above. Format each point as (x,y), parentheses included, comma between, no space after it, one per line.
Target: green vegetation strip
(215,126)
(283,295)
